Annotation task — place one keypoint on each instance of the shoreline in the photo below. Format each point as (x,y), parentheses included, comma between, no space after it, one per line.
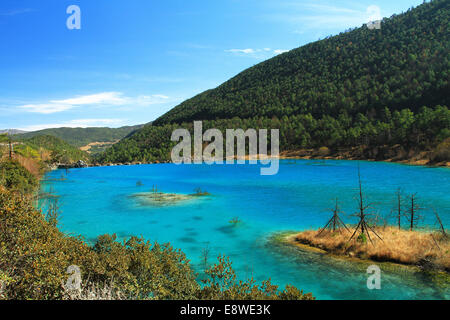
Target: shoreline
(395,154)
(282,156)
(389,154)
(384,153)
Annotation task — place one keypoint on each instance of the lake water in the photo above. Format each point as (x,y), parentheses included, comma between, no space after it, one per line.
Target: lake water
(96,201)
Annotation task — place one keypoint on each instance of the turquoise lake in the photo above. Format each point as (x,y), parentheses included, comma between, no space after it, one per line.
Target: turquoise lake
(100,200)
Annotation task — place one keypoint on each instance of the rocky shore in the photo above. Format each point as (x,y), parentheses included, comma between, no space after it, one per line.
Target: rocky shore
(396,153)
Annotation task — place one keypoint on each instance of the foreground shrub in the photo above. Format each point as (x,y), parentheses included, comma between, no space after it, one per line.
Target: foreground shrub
(34,257)
(34,253)
(222,284)
(15,177)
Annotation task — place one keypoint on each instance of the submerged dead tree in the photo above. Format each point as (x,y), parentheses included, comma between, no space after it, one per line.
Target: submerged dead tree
(398,208)
(335,223)
(413,211)
(363,228)
(205,255)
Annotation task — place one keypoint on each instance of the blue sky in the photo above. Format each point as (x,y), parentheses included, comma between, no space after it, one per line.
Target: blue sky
(133,60)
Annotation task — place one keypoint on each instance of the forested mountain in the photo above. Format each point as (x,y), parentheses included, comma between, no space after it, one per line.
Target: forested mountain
(362,88)
(79,137)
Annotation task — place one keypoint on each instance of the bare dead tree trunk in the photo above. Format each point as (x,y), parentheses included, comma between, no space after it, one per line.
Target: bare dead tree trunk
(363,225)
(362,214)
(399,208)
(413,211)
(335,223)
(441,225)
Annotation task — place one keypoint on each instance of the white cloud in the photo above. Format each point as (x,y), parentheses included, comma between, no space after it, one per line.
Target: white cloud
(279,51)
(114,98)
(257,53)
(100,99)
(148,100)
(77,123)
(161,96)
(46,108)
(245,51)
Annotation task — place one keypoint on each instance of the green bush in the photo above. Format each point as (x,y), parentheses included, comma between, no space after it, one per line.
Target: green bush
(34,257)
(442,151)
(14,176)
(324,151)
(222,284)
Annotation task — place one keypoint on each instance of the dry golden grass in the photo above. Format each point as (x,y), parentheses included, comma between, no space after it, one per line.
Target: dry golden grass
(32,165)
(45,155)
(399,246)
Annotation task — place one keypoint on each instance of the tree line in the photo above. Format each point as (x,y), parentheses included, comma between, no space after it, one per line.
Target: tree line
(424,130)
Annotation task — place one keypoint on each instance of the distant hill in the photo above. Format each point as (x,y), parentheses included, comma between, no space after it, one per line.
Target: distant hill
(367,89)
(11,131)
(46,147)
(39,152)
(80,137)
(61,151)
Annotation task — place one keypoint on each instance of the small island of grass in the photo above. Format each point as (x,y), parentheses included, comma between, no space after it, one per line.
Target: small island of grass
(426,250)
(200,193)
(158,198)
(235,221)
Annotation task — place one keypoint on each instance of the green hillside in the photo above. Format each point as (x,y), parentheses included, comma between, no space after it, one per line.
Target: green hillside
(45,148)
(60,150)
(80,137)
(36,155)
(370,88)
